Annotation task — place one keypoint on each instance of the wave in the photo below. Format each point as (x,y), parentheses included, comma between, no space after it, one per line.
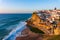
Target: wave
(7,20)
(9,25)
(14,33)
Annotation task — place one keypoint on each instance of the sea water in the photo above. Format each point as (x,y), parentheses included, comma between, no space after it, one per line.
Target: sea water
(11,22)
(16,32)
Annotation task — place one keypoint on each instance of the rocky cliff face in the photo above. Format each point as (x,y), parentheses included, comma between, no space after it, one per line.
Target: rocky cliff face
(35,36)
(36,22)
(45,26)
(29,35)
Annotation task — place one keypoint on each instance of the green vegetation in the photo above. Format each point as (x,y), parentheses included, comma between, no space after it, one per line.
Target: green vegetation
(55,37)
(33,29)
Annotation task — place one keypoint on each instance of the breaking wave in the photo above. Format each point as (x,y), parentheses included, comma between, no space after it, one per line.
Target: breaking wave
(16,32)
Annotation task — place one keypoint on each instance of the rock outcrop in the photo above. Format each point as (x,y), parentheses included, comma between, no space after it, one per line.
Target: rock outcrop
(29,35)
(45,26)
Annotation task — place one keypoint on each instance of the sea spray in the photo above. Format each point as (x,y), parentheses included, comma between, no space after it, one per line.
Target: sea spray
(14,33)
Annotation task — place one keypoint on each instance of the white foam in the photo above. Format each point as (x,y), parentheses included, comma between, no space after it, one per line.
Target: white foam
(13,33)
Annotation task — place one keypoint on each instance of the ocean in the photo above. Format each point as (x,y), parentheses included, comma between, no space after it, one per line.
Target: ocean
(9,22)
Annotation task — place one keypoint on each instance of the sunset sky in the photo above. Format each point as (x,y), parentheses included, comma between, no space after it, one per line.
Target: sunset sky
(18,6)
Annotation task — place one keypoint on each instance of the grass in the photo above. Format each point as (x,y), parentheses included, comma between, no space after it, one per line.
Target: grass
(54,37)
(33,29)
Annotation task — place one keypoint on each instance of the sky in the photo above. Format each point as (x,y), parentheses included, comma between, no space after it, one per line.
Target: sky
(21,6)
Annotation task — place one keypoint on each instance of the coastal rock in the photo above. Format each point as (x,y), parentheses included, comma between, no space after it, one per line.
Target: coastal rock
(29,35)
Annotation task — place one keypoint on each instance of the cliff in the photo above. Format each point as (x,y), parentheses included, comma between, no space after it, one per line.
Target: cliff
(45,26)
(30,35)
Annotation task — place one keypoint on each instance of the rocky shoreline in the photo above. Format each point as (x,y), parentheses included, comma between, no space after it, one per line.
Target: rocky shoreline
(29,35)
